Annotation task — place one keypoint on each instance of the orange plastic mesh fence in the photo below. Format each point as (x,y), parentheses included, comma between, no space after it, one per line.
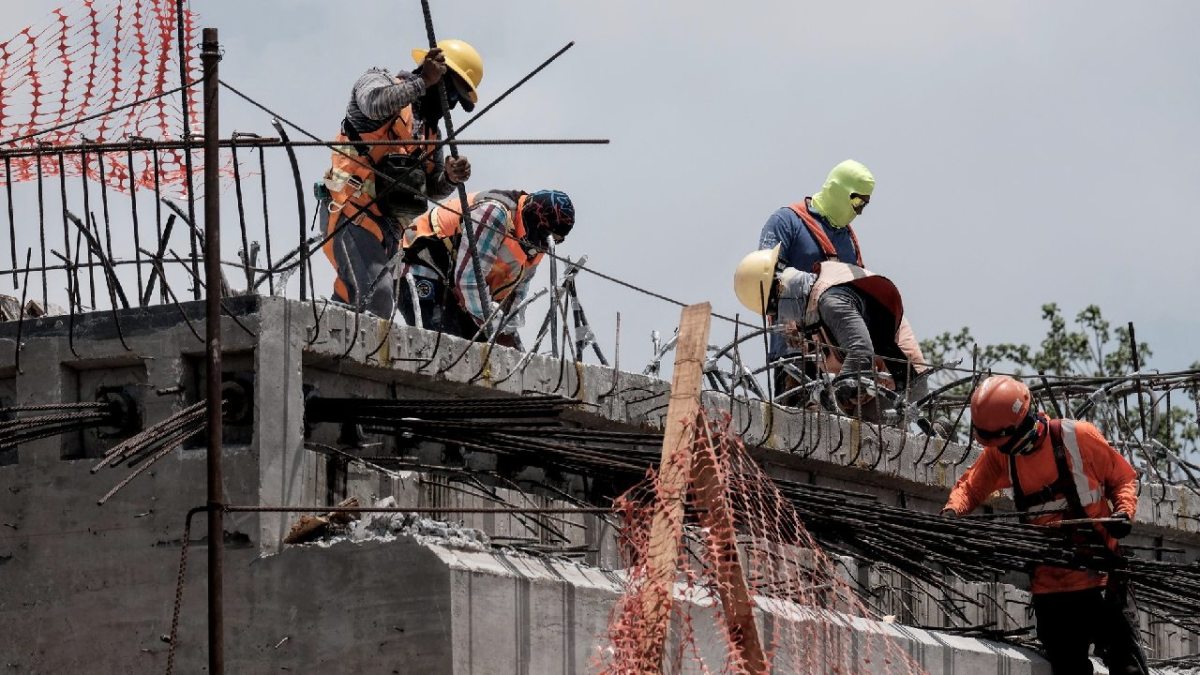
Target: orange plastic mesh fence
(89,59)
(807,616)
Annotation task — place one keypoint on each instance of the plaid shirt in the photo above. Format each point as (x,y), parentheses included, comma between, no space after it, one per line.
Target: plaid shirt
(491,222)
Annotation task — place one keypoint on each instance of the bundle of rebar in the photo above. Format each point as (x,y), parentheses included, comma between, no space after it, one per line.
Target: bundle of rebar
(923,546)
(144,449)
(365,410)
(54,419)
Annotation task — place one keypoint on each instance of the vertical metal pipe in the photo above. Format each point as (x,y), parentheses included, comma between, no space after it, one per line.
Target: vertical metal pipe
(137,237)
(41,199)
(87,210)
(12,228)
(210,56)
(1137,378)
(62,188)
(553,300)
(241,209)
(185,103)
(104,210)
(262,172)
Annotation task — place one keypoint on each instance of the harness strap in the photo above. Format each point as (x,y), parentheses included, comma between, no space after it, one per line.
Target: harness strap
(356,139)
(822,239)
(1062,487)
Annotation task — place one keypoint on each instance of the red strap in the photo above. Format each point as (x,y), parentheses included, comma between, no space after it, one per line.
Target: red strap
(822,239)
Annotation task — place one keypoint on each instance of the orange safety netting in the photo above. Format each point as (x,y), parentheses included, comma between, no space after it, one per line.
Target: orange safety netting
(67,75)
(806,616)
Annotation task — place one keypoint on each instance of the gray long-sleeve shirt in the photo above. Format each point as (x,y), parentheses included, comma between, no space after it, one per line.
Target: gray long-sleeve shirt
(377,97)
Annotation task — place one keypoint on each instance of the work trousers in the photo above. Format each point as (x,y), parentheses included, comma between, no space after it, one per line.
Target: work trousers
(863,328)
(440,309)
(363,264)
(1071,622)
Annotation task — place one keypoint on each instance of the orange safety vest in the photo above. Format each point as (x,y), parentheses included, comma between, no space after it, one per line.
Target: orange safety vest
(818,233)
(1073,468)
(444,226)
(1053,484)
(351,179)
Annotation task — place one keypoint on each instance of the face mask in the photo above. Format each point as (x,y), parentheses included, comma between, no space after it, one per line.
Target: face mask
(834,202)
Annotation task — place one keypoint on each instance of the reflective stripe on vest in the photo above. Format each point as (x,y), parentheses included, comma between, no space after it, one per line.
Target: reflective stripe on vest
(1078,479)
(818,233)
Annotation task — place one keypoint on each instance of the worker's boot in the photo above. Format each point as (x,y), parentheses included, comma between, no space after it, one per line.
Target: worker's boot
(855,396)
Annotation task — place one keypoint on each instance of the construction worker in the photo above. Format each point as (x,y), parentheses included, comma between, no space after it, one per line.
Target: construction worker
(817,228)
(860,313)
(512,230)
(1059,469)
(372,192)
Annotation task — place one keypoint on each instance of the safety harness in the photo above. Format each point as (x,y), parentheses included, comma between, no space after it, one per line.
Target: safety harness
(1063,486)
(403,189)
(822,239)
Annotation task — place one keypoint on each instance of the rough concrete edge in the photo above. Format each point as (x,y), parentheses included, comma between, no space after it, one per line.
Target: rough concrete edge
(869,451)
(516,565)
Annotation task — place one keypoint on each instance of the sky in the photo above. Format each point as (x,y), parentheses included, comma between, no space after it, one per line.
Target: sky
(1025,152)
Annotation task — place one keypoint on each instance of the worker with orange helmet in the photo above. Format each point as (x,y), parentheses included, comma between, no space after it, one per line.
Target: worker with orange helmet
(861,312)
(1058,469)
(377,184)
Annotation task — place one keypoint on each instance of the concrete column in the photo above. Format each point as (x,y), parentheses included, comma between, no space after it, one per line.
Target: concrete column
(40,382)
(287,472)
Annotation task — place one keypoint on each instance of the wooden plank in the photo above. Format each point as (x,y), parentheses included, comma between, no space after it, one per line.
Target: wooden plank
(674,470)
(736,602)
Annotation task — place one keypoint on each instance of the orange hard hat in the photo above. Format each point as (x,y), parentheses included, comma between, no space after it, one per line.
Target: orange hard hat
(998,407)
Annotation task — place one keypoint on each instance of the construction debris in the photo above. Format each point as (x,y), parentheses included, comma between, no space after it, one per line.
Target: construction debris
(308,528)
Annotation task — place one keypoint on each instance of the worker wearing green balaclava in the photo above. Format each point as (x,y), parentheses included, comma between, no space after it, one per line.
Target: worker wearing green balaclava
(846,193)
(818,228)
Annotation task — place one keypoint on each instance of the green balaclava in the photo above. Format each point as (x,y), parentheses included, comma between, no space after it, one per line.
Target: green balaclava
(833,201)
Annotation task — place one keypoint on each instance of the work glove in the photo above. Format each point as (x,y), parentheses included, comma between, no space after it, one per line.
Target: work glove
(949,513)
(1121,526)
(458,170)
(432,67)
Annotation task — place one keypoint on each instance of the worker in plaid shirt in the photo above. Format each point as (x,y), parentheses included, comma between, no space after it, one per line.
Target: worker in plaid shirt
(512,229)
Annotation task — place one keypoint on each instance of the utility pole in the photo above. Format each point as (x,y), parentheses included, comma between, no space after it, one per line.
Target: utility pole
(210,56)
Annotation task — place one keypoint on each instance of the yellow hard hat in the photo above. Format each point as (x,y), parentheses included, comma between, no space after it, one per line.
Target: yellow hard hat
(753,278)
(463,60)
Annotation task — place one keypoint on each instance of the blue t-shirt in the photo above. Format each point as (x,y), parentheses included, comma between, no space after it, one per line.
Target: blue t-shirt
(799,249)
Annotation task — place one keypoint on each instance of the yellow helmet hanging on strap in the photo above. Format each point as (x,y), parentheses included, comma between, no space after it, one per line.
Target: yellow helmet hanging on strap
(754,277)
(833,201)
(463,60)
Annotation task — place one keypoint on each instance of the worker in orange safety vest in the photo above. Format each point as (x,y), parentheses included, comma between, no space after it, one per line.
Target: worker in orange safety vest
(512,230)
(377,184)
(1059,469)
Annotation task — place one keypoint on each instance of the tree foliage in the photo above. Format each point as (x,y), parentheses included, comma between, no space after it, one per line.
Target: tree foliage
(1084,351)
